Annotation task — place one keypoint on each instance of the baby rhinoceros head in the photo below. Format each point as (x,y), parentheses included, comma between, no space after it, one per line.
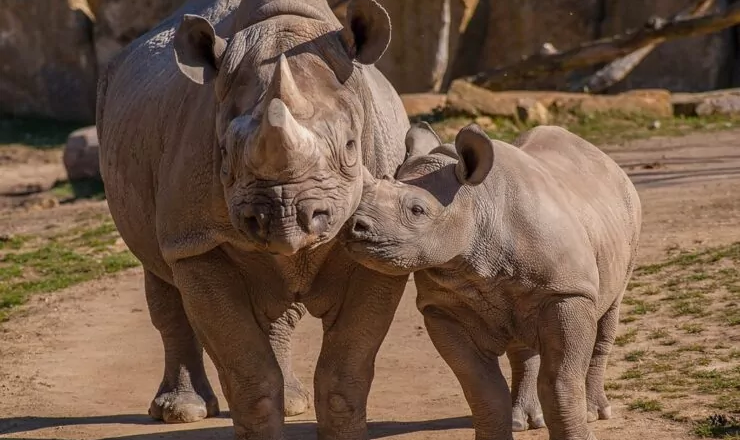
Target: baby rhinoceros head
(427,217)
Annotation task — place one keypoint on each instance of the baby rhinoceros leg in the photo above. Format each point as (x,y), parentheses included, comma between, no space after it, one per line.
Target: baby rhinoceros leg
(479,375)
(567,333)
(185,395)
(526,411)
(598,404)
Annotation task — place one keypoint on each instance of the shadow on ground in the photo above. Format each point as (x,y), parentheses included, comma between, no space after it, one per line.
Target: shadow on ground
(294,431)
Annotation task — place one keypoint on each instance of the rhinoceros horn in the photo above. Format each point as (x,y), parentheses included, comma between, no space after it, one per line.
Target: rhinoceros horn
(284,147)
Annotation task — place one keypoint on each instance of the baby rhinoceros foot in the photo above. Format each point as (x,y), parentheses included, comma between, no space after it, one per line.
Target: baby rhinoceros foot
(599,409)
(526,417)
(182,407)
(297,398)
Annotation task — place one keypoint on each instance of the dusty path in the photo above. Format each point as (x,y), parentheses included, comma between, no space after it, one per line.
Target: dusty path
(83,363)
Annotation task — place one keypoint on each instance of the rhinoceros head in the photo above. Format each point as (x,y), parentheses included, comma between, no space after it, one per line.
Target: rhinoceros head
(292,114)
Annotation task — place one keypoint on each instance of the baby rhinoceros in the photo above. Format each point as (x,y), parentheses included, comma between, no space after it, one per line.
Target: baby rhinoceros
(530,245)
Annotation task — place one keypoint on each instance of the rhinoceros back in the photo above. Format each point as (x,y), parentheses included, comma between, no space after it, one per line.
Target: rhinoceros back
(150,124)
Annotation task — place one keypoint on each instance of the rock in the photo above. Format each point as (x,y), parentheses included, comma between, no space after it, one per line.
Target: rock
(653,103)
(417,104)
(81,155)
(119,22)
(47,60)
(529,110)
(468,98)
(668,66)
(703,104)
(426,36)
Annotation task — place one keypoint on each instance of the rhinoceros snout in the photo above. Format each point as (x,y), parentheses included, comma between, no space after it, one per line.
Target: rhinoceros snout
(285,227)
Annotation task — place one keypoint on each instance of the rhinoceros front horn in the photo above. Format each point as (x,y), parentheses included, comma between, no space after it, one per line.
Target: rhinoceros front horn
(283,87)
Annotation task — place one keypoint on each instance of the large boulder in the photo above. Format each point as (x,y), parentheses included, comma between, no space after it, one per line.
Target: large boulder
(119,22)
(426,37)
(47,60)
(81,155)
(686,65)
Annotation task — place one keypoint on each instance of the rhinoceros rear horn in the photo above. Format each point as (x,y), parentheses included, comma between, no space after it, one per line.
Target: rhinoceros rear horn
(198,50)
(367,31)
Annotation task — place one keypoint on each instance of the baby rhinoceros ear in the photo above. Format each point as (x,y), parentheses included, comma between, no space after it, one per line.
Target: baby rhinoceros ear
(475,150)
(198,50)
(367,31)
(421,139)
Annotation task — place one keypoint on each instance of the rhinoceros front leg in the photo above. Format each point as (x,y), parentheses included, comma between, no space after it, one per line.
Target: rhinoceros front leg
(567,332)
(297,397)
(526,411)
(219,306)
(479,375)
(353,332)
(185,395)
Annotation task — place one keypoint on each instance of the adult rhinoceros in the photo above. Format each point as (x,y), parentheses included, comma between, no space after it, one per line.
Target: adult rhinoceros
(232,157)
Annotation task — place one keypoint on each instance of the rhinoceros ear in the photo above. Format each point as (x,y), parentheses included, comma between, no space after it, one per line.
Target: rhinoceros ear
(421,139)
(367,31)
(198,50)
(475,150)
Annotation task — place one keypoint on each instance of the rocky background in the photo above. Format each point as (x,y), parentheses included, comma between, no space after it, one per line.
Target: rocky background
(51,50)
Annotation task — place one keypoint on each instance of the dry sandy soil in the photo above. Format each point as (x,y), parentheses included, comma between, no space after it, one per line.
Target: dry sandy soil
(83,363)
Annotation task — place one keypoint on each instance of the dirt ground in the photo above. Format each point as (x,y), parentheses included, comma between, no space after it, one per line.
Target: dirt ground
(83,363)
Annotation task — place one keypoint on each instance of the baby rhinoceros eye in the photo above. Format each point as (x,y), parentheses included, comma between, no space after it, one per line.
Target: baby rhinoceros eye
(417,210)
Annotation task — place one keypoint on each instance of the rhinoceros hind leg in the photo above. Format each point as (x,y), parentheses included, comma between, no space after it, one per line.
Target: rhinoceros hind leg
(185,395)
(526,409)
(598,404)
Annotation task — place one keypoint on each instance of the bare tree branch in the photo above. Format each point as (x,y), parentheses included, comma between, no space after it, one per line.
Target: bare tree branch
(604,50)
(617,70)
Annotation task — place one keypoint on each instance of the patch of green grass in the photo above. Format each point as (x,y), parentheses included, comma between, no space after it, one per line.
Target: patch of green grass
(643,308)
(612,127)
(658,334)
(645,405)
(718,426)
(36,133)
(692,329)
(684,308)
(627,338)
(634,356)
(58,262)
(12,241)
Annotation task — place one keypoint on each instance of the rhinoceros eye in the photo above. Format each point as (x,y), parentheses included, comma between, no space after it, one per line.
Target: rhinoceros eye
(350,154)
(417,210)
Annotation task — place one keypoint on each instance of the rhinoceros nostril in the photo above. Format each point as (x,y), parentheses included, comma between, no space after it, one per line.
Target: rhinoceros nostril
(360,226)
(320,221)
(256,223)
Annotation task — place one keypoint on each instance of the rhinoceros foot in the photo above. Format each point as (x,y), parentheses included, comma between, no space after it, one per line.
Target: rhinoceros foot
(527,416)
(182,407)
(297,398)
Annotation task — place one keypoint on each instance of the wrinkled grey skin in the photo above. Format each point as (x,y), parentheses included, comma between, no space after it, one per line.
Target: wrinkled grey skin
(524,247)
(233,138)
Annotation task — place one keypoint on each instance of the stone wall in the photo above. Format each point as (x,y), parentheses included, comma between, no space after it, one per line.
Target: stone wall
(51,50)
(47,60)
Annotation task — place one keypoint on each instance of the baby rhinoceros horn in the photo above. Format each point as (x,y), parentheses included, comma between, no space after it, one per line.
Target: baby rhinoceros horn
(284,148)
